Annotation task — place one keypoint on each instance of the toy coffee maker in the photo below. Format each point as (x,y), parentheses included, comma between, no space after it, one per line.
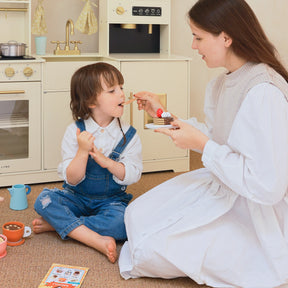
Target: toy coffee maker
(129,26)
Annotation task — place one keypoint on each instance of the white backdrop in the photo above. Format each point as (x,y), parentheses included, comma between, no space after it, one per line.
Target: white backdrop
(271,13)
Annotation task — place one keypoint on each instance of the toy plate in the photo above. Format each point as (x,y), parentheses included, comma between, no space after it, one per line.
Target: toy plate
(153,126)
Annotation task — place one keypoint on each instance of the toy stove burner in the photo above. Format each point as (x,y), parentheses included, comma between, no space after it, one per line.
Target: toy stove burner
(26,57)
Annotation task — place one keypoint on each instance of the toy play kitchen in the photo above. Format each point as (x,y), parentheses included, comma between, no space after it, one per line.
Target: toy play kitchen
(133,35)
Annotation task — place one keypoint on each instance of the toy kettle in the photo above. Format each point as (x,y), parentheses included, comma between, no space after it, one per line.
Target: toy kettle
(19,194)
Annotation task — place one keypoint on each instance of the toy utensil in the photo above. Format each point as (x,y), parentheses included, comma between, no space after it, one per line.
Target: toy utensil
(129,101)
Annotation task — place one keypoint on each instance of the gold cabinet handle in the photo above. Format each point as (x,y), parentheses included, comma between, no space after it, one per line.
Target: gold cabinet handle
(12,92)
(131,109)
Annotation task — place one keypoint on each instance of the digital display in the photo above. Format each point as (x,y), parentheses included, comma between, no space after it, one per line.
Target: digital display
(146,11)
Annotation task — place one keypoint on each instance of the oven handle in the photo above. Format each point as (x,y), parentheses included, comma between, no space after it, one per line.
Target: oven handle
(12,92)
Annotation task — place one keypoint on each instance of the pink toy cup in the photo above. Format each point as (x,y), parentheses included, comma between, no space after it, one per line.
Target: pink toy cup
(3,245)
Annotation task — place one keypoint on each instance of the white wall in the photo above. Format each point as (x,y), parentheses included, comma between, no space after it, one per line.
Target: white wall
(271,13)
(273,16)
(56,14)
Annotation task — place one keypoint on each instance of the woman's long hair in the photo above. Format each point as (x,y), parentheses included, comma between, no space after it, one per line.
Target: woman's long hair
(237,19)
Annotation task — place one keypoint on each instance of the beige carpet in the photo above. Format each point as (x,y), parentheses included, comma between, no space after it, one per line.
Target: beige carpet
(26,265)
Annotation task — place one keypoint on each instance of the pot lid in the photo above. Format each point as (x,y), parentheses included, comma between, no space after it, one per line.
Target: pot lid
(13,43)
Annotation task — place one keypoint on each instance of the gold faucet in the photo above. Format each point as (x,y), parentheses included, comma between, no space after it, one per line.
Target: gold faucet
(71,24)
(66,50)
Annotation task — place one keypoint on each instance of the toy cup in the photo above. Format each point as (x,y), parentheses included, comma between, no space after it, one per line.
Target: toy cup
(3,245)
(19,194)
(15,232)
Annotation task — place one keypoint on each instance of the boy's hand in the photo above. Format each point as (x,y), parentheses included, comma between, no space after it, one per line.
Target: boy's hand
(85,140)
(98,157)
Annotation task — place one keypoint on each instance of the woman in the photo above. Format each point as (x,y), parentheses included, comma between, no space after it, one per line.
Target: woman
(225,225)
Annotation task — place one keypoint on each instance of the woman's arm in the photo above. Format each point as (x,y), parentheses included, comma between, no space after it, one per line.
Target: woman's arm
(254,162)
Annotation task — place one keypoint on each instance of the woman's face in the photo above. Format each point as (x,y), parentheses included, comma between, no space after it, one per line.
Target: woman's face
(213,49)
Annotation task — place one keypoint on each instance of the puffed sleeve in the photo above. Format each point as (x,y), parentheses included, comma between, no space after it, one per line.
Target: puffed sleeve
(254,162)
(209,111)
(69,149)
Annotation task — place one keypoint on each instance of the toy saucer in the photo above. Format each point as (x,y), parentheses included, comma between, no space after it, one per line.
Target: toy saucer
(16,243)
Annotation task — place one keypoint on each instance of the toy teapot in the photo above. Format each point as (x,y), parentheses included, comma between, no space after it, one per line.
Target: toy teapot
(19,194)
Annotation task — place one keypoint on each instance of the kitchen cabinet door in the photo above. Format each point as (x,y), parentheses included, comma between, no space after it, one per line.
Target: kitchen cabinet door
(56,117)
(161,77)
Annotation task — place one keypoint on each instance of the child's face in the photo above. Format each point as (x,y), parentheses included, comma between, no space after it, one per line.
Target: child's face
(109,103)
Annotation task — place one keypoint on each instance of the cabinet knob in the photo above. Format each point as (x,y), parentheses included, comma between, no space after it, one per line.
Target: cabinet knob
(9,72)
(28,72)
(120,10)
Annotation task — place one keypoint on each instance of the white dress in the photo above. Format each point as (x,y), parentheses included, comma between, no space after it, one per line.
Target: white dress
(225,225)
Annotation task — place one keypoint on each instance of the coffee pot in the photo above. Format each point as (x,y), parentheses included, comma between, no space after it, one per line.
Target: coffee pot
(19,194)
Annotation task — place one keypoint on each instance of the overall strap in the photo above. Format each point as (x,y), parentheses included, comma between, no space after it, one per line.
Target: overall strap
(115,154)
(81,125)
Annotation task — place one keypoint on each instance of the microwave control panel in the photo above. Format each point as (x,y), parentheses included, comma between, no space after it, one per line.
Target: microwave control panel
(136,12)
(146,11)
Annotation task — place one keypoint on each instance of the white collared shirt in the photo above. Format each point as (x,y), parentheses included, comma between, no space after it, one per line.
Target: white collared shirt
(106,140)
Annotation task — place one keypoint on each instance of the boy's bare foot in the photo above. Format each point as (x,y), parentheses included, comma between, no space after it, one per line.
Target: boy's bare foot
(109,245)
(40,226)
(104,244)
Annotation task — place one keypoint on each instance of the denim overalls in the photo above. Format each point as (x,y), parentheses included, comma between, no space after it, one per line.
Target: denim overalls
(98,202)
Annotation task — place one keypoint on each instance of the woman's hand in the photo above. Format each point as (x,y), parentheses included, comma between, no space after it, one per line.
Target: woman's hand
(149,102)
(185,136)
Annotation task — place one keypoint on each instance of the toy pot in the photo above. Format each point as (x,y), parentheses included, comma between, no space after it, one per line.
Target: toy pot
(15,232)
(19,194)
(3,245)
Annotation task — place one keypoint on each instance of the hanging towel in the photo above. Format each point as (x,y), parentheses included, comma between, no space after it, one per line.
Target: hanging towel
(87,21)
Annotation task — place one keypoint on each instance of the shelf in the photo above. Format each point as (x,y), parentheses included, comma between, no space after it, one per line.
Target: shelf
(15,2)
(14,6)
(13,121)
(13,9)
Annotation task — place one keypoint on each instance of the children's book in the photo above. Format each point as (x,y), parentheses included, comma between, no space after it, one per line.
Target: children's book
(64,276)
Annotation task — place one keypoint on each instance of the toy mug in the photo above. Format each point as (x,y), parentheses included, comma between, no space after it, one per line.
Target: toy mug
(15,232)
(19,194)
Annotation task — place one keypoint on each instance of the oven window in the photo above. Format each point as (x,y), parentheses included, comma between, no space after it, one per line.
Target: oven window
(14,129)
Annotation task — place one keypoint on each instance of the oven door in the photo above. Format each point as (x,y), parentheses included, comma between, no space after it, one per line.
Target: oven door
(20,138)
